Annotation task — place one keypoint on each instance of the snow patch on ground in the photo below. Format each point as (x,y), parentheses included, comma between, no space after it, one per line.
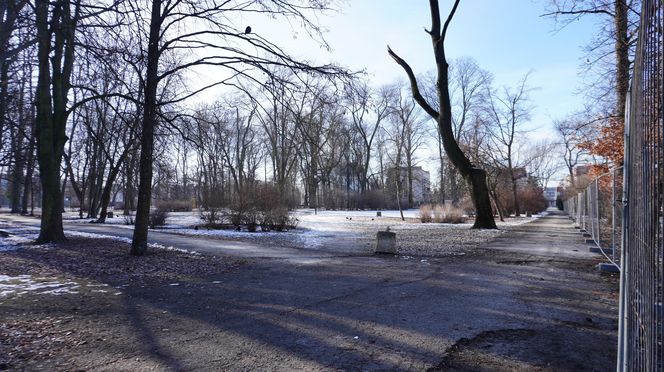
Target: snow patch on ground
(127,240)
(19,235)
(23,284)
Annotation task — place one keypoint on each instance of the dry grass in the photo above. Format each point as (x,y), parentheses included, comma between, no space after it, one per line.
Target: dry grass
(426,213)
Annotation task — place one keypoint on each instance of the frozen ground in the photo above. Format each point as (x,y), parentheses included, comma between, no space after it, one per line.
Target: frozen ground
(530,300)
(345,232)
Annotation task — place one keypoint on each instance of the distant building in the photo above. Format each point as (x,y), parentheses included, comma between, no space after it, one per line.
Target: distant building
(551,194)
(421,185)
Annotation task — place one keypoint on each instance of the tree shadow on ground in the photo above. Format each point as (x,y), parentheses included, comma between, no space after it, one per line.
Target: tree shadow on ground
(350,313)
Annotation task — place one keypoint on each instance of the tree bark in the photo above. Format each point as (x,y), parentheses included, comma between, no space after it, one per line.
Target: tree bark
(139,243)
(622,56)
(27,182)
(106,193)
(475,177)
(52,108)
(515,193)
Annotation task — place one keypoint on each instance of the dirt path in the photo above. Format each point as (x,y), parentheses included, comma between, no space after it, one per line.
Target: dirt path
(531,300)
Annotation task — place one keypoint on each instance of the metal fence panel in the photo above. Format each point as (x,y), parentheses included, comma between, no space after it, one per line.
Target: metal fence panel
(641,329)
(597,211)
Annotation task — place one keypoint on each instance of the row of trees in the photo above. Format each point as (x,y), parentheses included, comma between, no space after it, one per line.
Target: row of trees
(97,97)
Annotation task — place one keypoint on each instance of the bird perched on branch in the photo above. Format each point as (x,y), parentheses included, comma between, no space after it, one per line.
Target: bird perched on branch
(247,30)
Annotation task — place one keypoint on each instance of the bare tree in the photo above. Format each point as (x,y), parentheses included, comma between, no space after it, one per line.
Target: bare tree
(56,28)
(508,113)
(211,39)
(570,136)
(609,54)
(469,84)
(475,177)
(367,110)
(12,42)
(543,160)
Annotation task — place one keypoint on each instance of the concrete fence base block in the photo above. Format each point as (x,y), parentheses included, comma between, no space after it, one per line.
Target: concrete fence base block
(606,251)
(608,268)
(386,242)
(590,241)
(586,235)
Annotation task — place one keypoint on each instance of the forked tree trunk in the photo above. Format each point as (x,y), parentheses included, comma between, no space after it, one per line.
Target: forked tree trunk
(475,177)
(55,67)
(108,187)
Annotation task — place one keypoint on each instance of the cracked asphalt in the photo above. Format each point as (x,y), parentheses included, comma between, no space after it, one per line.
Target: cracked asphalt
(530,300)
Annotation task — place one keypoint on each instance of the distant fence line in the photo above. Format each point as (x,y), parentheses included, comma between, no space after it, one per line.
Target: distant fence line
(597,211)
(631,227)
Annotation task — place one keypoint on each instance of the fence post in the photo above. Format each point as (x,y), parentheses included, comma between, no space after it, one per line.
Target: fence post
(624,266)
(613,215)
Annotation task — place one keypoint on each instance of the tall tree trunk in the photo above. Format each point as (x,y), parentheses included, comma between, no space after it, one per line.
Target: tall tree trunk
(4,90)
(622,56)
(398,186)
(410,182)
(139,243)
(48,134)
(515,194)
(18,135)
(106,193)
(441,158)
(27,182)
(475,177)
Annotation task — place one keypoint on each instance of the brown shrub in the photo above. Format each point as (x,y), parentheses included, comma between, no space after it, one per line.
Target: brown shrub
(426,213)
(449,214)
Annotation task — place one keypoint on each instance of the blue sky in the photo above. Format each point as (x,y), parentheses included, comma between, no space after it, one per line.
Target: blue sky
(509,38)
(506,37)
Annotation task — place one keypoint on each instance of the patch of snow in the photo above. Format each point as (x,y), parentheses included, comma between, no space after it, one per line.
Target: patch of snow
(23,284)
(19,235)
(128,240)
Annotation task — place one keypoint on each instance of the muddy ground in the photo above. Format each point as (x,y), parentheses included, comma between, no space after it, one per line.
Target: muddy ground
(502,307)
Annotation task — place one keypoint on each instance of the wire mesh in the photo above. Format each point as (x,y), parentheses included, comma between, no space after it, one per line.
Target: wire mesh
(641,329)
(597,211)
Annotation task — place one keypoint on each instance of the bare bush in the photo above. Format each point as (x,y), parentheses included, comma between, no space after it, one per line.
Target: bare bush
(250,218)
(158,218)
(426,213)
(282,220)
(446,213)
(438,213)
(129,220)
(451,214)
(532,199)
(213,217)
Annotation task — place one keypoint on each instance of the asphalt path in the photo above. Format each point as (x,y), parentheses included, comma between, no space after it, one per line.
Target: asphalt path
(530,300)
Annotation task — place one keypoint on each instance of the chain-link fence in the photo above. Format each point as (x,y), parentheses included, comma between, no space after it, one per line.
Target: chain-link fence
(597,211)
(641,330)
